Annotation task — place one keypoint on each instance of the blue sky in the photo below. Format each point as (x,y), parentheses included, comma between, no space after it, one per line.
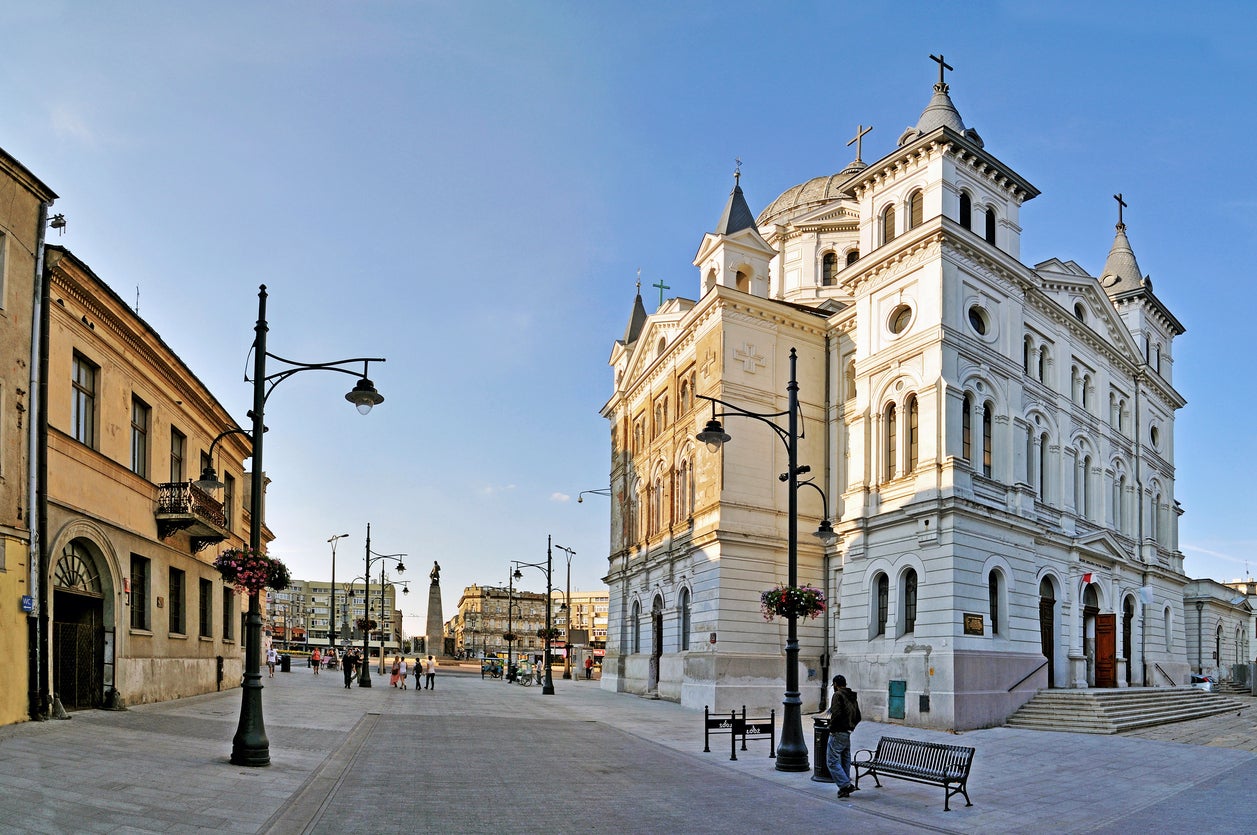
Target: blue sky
(468,189)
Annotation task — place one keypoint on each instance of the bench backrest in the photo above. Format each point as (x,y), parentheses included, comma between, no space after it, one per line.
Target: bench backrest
(952,760)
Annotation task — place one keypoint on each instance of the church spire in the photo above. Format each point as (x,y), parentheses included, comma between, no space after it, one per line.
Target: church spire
(637,319)
(940,112)
(1121,270)
(737,215)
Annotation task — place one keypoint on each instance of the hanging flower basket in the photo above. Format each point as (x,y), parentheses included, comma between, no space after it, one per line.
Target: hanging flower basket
(552,633)
(510,637)
(365,625)
(799,601)
(252,571)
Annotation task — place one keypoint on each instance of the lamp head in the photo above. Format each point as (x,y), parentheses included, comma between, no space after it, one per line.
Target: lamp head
(364,396)
(209,480)
(825,533)
(713,435)
(518,575)
(401,567)
(405,589)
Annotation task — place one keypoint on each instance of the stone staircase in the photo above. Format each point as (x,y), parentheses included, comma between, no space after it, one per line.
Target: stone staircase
(1230,688)
(1096,711)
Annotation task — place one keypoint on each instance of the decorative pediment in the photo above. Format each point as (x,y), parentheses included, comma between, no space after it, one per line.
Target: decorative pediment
(1103,547)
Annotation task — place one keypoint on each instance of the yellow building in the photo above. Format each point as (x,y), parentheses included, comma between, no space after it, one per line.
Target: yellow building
(487,614)
(24,203)
(133,609)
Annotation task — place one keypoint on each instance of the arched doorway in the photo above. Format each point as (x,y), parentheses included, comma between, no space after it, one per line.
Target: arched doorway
(1099,640)
(1047,629)
(1217,649)
(78,629)
(656,641)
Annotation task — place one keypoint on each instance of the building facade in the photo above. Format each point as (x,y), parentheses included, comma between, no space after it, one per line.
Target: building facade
(488,614)
(1220,624)
(993,442)
(137,613)
(300,616)
(24,205)
(585,633)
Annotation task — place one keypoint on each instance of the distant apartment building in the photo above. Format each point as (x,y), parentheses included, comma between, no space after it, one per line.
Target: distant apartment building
(301,616)
(487,614)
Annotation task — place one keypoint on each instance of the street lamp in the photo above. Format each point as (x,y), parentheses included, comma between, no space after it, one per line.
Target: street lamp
(601,491)
(250,747)
(548,688)
(792,753)
(567,607)
(364,676)
(334,633)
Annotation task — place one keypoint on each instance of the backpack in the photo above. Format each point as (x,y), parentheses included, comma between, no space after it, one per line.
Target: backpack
(853,710)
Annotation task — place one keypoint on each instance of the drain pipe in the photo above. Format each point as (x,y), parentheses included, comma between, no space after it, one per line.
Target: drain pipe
(826,649)
(1139,492)
(36,506)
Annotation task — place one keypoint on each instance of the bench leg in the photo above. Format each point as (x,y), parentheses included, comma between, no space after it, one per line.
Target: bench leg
(949,792)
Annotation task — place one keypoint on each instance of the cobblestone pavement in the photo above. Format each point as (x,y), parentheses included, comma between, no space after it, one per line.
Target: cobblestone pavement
(485,756)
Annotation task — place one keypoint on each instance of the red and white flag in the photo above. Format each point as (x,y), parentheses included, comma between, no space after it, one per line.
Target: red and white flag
(1086,578)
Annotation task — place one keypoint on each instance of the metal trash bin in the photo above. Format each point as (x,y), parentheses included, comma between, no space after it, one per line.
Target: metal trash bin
(285,665)
(820,739)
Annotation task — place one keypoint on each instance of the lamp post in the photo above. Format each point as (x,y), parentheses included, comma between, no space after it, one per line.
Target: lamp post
(250,746)
(792,752)
(364,676)
(396,628)
(567,620)
(334,633)
(548,688)
(510,621)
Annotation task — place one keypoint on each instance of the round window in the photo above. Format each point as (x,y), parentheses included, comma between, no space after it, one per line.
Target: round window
(977,320)
(900,317)
(1154,435)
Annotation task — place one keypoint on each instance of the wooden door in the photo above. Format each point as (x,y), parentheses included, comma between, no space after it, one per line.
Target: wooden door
(1106,650)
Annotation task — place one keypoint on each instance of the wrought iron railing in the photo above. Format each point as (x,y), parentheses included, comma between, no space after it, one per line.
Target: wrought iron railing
(186,497)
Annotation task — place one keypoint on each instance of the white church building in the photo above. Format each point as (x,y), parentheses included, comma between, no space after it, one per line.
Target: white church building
(994,440)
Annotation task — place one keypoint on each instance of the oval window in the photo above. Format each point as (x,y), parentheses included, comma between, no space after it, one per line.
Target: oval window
(1154,434)
(899,318)
(977,320)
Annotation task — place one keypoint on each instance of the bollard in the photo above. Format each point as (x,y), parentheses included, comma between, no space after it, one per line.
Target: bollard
(820,739)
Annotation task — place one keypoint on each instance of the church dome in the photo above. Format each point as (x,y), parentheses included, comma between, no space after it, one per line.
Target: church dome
(813,194)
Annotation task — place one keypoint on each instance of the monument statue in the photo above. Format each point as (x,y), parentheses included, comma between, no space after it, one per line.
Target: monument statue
(435,574)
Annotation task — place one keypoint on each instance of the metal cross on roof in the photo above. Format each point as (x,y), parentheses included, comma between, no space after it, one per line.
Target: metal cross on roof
(661,287)
(639,281)
(737,171)
(1121,204)
(942,65)
(858,140)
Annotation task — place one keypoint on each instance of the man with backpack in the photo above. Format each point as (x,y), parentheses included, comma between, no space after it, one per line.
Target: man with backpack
(844,715)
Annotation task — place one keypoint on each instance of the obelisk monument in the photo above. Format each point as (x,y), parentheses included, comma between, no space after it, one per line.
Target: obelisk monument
(434,638)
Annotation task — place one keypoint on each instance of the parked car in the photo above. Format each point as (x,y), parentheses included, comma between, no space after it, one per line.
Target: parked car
(1202,683)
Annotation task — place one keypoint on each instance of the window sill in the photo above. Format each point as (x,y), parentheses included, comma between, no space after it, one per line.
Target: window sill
(178,636)
(141,632)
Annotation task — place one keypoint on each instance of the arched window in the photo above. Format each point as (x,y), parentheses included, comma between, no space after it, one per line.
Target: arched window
(882,586)
(1086,392)
(829,269)
(966,210)
(1080,312)
(683,398)
(916,209)
(994,592)
(658,508)
(912,437)
(1154,529)
(684,605)
(635,625)
(1085,488)
(743,282)
(710,281)
(891,451)
(1119,504)
(853,255)
(1027,349)
(909,601)
(1168,626)
(966,429)
(849,380)
(990,224)
(685,490)
(1043,467)
(888,224)
(987,419)
(1043,364)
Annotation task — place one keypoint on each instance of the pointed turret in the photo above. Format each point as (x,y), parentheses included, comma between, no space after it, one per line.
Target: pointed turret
(940,112)
(1121,271)
(737,215)
(637,319)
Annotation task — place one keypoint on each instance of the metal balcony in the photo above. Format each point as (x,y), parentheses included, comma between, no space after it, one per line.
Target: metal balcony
(182,506)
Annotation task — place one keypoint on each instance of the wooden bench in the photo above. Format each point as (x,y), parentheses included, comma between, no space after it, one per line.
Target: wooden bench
(922,762)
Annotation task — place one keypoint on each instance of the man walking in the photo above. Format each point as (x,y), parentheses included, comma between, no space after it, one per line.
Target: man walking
(430,674)
(844,715)
(349,666)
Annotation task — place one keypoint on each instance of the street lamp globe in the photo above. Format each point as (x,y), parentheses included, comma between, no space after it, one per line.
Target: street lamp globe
(714,435)
(364,396)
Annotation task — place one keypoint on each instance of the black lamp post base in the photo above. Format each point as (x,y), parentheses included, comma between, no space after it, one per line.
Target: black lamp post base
(250,747)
